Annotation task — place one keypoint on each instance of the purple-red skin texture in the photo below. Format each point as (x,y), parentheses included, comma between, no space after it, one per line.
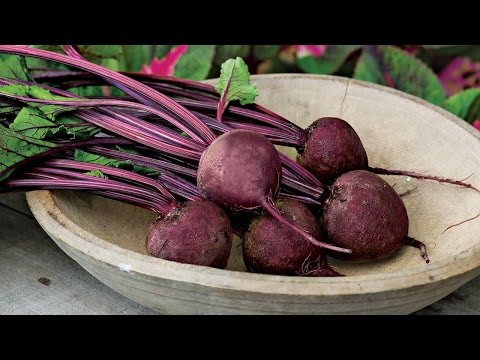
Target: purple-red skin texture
(239,169)
(270,247)
(331,147)
(365,214)
(196,232)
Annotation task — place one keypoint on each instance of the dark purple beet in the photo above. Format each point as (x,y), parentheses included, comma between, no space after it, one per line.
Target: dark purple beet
(239,169)
(330,148)
(242,170)
(272,248)
(365,214)
(196,232)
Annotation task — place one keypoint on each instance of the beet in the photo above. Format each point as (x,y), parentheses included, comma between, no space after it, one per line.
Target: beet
(331,147)
(196,232)
(365,214)
(272,248)
(242,170)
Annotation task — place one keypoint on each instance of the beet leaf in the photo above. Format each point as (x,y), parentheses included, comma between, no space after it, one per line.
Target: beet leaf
(234,84)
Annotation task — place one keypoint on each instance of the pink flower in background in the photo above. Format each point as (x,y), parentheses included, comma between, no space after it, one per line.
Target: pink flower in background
(166,65)
(460,74)
(476,124)
(313,50)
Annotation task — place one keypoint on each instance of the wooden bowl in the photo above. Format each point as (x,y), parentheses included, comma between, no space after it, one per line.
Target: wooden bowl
(399,131)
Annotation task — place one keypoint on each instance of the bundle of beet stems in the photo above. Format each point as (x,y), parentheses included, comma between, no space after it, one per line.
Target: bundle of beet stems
(202,156)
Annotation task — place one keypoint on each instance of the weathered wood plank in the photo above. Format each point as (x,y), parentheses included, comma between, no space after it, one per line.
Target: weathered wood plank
(28,254)
(17,202)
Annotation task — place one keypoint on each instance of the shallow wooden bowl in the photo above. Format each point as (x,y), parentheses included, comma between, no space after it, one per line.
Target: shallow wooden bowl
(399,131)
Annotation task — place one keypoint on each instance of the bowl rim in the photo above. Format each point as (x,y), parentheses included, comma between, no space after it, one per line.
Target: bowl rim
(63,230)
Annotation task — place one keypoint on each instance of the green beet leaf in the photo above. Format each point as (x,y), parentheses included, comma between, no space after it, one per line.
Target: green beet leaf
(42,121)
(15,148)
(84,156)
(97,173)
(14,67)
(234,84)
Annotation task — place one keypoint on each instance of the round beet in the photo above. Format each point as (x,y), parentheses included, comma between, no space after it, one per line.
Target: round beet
(330,148)
(239,169)
(365,214)
(242,169)
(196,232)
(272,248)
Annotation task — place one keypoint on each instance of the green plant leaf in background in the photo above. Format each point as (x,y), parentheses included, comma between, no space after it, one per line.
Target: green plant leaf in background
(263,52)
(95,52)
(465,104)
(160,51)
(195,63)
(134,56)
(329,62)
(391,66)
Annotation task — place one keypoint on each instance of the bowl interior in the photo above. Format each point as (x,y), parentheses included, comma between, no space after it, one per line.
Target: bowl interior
(398,131)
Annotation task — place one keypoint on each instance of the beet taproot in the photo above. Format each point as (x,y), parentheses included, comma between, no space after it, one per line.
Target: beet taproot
(270,247)
(196,232)
(331,147)
(365,214)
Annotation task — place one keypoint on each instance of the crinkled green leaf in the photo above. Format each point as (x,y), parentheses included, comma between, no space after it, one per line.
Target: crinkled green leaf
(234,82)
(465,104)
(84,156)
(31,122)
(195,63)
(14,148)
(97,173)
(263,52)
(391,66)
(71,123)
(329,62)
(37,92)
(14,67)
(46,121)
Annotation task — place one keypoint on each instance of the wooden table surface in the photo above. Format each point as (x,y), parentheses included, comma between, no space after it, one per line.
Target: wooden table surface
(36,277)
